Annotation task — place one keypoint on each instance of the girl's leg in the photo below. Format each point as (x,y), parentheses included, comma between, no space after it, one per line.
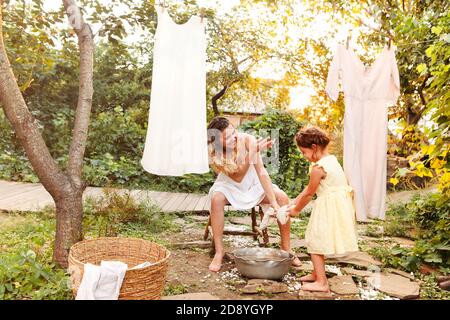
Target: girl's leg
(309,278)
(321,282)
(218,202)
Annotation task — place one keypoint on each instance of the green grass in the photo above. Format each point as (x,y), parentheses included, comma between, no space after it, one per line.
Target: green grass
(175,289)
(26,243)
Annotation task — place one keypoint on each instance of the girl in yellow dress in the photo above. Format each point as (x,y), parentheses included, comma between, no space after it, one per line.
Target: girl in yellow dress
(332,225)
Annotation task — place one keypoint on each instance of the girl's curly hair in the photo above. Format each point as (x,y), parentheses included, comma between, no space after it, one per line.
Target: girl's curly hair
(306,137)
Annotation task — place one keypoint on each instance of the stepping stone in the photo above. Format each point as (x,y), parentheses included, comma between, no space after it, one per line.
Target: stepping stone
(367,238)
(298,243)
(247,220)
(442,278)
(445,285)
(401,273)
(200,218)
(357,273)
(404,242)
(192,244)
(263,285)
(275,240)
(395,285)
(358,258)
(303,256)
(309,295)
(343,285)
(179,221)
(192,296)
(367,245)
(304,267)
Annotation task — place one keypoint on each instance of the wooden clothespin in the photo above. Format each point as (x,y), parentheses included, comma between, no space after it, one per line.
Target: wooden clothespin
(389,43)
(306,43)
(202,14)
(348,41)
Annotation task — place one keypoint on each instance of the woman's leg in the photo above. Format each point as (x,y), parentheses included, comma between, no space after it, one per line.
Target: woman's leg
(285,229)
(218,202)
(321,282)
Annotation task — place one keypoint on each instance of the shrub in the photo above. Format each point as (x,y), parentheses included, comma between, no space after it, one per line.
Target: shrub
(292,174)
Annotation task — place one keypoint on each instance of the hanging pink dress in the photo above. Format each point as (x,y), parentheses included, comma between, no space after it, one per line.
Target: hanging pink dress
(368,91)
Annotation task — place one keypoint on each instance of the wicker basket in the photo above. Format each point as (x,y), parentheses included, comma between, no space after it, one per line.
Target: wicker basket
(140,284)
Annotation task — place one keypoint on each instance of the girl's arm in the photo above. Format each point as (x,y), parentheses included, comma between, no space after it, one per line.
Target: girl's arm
(317,174)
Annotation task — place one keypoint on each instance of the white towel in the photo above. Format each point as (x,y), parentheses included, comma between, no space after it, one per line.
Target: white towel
(142,265)
(281,215)
(102,282)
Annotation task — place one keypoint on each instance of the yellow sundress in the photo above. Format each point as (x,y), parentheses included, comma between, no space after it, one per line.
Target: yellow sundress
(332,225)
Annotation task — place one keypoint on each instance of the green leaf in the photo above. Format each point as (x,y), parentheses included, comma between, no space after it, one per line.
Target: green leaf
(436,30)
(421,68)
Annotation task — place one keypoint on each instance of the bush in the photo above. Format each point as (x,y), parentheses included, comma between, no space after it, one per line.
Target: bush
(433,220)
(292,174)
(114,213)
(429,218)
(23,276)
(26,270)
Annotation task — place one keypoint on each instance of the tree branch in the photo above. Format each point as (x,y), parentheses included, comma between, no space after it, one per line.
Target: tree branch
(219,95)
(26,127)
(85,93)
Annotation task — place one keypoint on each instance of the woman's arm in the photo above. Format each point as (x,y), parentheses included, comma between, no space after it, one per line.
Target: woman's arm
(264,178)
(317,174)
(250,149)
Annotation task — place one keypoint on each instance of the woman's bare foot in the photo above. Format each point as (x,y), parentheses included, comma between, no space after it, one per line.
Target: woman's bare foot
(216,264)
(296,262)
(308,278)
(316,286)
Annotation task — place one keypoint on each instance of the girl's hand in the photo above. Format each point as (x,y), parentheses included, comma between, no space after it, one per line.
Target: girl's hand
(292,211)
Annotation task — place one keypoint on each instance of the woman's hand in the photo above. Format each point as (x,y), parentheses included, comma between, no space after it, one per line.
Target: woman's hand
(275,207)
(263,144)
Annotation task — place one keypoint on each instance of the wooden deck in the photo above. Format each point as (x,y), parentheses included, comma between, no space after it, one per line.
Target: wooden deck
(18,196)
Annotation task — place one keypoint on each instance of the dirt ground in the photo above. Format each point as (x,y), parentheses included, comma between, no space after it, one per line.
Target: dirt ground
(188,268)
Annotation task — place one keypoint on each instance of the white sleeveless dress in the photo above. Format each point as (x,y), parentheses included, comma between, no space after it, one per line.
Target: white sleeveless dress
(176,142)
(242,195)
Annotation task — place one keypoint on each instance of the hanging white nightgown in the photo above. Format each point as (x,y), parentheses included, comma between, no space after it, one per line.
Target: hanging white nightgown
(368,91)
(176,142)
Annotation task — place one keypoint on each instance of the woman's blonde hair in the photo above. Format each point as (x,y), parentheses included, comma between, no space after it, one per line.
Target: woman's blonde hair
(218,159)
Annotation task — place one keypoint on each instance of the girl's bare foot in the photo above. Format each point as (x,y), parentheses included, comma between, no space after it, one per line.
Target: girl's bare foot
(316,286)
(308,278)
(216,264)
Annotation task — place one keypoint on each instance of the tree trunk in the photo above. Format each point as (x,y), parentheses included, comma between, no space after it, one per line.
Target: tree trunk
(219,95)
(69,218)
(66,188)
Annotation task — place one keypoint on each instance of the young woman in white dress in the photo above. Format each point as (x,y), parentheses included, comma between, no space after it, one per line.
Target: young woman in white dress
(242,181)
